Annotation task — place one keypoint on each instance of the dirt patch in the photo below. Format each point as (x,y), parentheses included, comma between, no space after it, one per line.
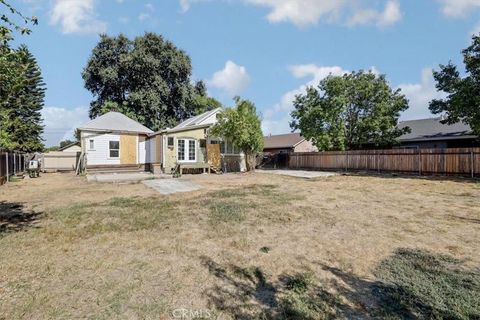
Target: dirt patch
(244,246)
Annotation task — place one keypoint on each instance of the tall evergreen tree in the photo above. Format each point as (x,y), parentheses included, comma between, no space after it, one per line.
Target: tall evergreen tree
(22,102)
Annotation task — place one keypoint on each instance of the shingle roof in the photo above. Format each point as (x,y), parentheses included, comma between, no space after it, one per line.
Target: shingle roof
(288,140)
(433,129)
(115,121)
(200,120)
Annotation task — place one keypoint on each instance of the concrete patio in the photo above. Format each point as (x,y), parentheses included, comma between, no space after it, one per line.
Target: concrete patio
(299,173)
(171,186)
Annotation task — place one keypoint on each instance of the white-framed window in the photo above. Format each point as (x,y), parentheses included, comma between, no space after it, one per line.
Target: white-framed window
(186,150)
(114,149)
(91,144)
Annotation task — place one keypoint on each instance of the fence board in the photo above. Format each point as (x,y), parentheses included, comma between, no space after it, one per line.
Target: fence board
(455,161)
(11,162)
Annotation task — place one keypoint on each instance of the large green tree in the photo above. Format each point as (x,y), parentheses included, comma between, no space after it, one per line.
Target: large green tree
(242,126)
(147,78)
(21,86)
(352,111)
(463,93)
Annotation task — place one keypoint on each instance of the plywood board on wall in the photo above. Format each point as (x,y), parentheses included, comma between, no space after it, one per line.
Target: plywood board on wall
(213,155)
(128,149)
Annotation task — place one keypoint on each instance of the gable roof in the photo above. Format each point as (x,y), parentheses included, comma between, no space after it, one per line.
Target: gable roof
(203,120)
(433,129)
(115,121)
(69,145)
(288,140)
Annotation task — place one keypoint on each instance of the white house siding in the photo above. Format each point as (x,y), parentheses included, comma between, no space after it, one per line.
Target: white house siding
(100,154)
(143,147)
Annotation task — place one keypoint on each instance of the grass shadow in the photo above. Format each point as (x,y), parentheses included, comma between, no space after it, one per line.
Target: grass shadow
(14,217)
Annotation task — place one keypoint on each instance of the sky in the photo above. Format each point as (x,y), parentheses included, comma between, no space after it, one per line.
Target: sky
(266,51)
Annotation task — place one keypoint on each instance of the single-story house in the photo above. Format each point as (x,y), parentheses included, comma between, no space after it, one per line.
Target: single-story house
(114,140)
(190,142)
(431,133)
(73,147)
(286,143)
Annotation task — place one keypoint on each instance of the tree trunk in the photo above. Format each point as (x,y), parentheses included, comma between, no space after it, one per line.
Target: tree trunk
(251,161)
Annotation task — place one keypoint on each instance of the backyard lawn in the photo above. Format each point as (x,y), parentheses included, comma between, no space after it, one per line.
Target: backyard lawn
(246,246)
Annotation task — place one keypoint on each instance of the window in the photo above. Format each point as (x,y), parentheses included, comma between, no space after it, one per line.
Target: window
(114,147)
(186,150)
(229,148)
(92,144)
(222,147)
(203,143)
(170,141)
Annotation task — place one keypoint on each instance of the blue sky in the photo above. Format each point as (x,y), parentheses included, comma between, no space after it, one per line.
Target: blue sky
(263,50)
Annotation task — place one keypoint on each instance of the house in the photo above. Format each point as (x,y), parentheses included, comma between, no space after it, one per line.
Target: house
(431,133)
(72,147)
(115,140)
(188,144)
(286,143)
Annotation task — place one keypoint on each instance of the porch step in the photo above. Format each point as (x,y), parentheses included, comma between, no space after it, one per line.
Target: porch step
(114,169)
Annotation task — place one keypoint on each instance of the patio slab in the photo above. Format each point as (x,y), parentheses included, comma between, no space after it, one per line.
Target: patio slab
(171,186)
(300,173)
(120,177)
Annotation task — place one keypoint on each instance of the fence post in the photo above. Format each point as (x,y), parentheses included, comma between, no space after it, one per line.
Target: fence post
(346,161)
(8,177)
(14,163)
(420,163)
(472,163)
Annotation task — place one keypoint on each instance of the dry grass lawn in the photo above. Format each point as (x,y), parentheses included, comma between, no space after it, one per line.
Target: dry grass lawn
(246,246)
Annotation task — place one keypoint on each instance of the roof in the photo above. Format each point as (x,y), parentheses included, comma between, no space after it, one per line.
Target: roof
(69,145)
(288,140)
(115,121)
(433,129)
(203,120)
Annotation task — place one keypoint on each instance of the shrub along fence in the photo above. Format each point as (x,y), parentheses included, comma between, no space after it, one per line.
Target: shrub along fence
(458,161)
(11,163)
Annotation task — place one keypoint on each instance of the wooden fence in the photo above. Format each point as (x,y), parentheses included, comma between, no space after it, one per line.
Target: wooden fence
(11,163)
(459,161)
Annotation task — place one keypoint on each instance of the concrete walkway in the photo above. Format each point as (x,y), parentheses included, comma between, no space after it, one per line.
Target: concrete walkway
(171,186)
(300,173)
(120,177)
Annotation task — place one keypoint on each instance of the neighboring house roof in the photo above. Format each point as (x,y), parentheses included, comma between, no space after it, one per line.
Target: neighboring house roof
(433,129)
(69,146)
(115,121)
(289,140)
(203,120)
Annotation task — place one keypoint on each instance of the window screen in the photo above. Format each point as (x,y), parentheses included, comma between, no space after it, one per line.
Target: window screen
(170,141)
(181,150)
(92,144)
(191,150)
(114,147)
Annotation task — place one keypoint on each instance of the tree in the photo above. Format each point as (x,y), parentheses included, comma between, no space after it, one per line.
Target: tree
(463,96)
(201,102)
(8,23)
(17,80)
(352,111)
(147,78)
(243,127)
(67,142)
(22,107)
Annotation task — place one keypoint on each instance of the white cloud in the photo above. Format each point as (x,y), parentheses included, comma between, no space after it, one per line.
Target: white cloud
(389,16)
(233,79)
(147,13)
(309,12)
(276,119)
(420,95)
(76,16)
(459,8)
(60,123)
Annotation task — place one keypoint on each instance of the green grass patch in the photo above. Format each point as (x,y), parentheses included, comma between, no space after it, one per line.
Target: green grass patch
(422,285)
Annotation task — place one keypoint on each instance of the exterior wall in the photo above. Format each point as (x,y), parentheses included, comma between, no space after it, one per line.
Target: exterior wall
(59,161)
(305,146)
(171,152)
(129,149)
(72,149)
(100,154)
